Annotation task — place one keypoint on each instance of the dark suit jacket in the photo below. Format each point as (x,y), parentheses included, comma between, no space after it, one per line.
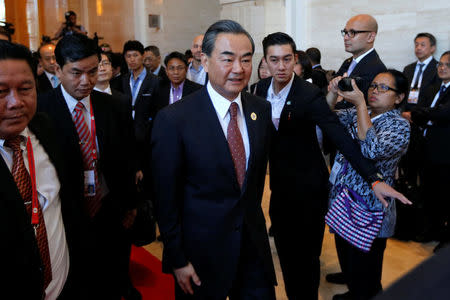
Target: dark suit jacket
(163,97)
(429,78)
(369,67)
(19,247)
(43,84)
(298,173)
(319,78)
(436,142)
(162,74)
(201,209)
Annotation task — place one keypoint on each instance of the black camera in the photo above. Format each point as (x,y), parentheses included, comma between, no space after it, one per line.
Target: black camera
(345,84)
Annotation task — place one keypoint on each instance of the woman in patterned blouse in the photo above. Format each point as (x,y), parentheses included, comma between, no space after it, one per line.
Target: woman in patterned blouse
(383,136)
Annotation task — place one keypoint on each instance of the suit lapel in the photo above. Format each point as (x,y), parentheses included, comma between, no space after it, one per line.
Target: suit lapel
(100,116)
(428,73)
(252,131)
(126,86)
(289,104)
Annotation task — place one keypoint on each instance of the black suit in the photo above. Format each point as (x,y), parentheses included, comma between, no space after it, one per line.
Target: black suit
(95,269)
(203,215)
(163,97)
(369,67)
(19,246)
(299,182)
(162,74)
(142,110)
(43,85)
(435,155)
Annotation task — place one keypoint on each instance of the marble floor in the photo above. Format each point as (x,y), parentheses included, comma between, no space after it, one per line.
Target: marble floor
(399,258)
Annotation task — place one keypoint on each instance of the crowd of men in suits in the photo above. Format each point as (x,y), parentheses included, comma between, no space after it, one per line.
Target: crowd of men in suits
(77,141)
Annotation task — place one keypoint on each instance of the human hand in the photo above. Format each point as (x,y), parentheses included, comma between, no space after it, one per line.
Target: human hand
(184,276)
(407,116)
(383,190)
(355,97)
(139,176)
(129,218)
(333,85)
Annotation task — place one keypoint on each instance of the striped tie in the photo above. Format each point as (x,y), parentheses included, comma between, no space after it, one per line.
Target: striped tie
(88,149)
(23,182)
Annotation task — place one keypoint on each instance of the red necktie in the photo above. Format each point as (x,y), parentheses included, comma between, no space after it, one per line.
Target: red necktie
(236,144)
(92,203)
(23,182)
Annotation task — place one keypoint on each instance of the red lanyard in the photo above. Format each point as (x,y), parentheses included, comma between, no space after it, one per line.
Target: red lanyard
(34,201)
(93,132)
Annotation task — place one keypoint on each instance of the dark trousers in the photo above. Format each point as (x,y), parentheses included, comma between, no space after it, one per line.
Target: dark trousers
(250,283)
(436,178)
(298,240)
(362,270)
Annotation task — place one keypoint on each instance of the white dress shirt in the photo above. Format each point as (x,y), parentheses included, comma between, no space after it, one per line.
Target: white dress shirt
(48,186)
(222,106)
(106,91)
(278,100)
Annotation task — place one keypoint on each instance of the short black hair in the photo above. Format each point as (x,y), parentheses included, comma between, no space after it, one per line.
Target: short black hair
(75,47)
(278,38)
(188,54)
(314,55)
(153,49)
(5,32)
(116,60)
(15,51)
(401,84)
(133,45)
(108,55)
(445,53)
(430,37)
(305,62)
(222,26)
(175,54)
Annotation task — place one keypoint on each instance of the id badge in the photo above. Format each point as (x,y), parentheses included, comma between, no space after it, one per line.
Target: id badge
(334,172)
(89,183)
(413,97)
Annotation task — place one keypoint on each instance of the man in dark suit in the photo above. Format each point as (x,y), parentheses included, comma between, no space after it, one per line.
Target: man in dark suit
(35,249)
(178,86)
(209,158)
(433,115)
(298,173)
(95,131)
(318,73)
(421,75)
(47,80)
(152,61)
(359,38)
(141,86)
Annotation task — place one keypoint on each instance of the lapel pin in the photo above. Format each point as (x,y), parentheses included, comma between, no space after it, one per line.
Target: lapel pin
(288,103)
(253,116)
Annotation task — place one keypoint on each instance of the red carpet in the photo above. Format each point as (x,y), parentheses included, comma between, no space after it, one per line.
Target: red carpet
(147,277)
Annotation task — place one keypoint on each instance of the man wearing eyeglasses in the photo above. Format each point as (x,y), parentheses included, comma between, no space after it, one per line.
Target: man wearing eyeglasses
(359,37)
(433,115)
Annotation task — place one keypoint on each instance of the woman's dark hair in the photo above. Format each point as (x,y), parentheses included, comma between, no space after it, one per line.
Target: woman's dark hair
(259,66)
(401,84)
(305,62)
(175,54)
(75,47)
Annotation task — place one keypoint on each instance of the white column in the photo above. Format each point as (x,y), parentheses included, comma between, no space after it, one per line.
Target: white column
(297,21)
(140,21)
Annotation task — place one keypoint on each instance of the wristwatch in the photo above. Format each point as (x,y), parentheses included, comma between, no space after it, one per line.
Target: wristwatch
(375,177)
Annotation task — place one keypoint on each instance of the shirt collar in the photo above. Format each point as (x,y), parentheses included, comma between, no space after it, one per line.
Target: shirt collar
(49,76)
(180,86)
(107,90)
(446,84)
(25,133)
(425,62)
(222,104)
(72,102)
(316,66)
(284,92)
(359,58)
(140,76)
(157,70)
(191,67)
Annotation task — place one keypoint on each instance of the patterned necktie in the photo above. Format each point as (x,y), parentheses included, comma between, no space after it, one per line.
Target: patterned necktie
(351,67)
(87,147)
(55,81)
(236,144)
(416,84)
(23,182)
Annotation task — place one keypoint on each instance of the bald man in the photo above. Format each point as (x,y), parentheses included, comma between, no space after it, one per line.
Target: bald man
(47,80)
(195,71)
(359,37)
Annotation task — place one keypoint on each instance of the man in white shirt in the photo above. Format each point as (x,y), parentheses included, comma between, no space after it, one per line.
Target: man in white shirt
(47,80)
(33,233)
(195,72)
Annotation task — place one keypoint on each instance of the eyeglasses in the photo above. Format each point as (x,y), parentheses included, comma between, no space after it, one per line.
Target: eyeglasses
(104,63)
(441,64)
(381,88)
(177,68)
(351,33)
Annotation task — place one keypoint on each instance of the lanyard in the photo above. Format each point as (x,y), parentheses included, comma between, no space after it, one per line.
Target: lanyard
(34,201)
(93,132)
